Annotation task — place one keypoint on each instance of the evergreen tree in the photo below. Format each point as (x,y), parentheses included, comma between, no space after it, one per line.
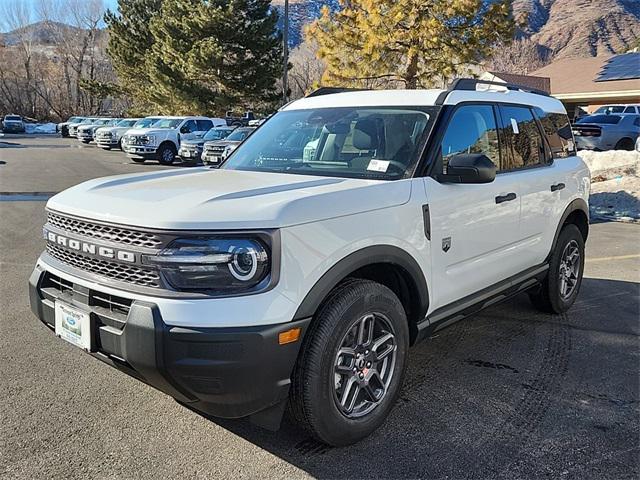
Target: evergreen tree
(130,42)
(211,55)
(408,43)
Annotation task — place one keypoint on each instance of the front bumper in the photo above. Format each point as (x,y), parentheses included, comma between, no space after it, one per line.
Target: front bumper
(107,142)
(11,128)
(190,154)
(85,137)
(141,151)
(227,372)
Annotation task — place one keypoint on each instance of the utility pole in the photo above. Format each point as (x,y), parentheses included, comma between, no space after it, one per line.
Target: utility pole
(285,51)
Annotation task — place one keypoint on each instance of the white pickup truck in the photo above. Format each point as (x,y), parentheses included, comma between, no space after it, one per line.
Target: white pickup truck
(161,141)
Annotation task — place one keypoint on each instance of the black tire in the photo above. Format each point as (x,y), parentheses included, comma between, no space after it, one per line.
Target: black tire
(166,154)
(120,144)
(625,144)
(138,160)
(314,402)
(549,298)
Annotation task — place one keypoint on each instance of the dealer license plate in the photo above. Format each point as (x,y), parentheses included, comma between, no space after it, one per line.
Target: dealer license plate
(73,325)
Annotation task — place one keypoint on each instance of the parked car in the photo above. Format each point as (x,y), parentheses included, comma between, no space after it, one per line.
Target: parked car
(216,152)
(638,144)
(607,132)
(108,137)
(161,141)
(275,282)
(63,128)
(632,108)
(235,121)
(86,133)
(13,124)
(190,151)
(73,127)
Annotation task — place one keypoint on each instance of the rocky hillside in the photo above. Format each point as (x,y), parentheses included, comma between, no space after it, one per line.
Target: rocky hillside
(583,28)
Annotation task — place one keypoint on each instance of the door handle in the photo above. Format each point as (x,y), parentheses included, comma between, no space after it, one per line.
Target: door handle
(557,186)
(505,198)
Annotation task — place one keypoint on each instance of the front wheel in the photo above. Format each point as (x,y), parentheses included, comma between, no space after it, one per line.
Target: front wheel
(352,364)
(560,287)
(166,154)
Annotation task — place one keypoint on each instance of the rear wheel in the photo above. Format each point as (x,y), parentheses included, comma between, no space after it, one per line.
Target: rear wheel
(560,288)
(625,144)
(166,154)
(351,368)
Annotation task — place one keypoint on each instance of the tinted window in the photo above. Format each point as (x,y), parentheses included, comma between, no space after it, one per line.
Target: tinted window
(557,129)
(602,119)
(472,129)
(12,118)
(630,110)
(523,138)
(204,125)
(189,126)
(610,109)
(217,133)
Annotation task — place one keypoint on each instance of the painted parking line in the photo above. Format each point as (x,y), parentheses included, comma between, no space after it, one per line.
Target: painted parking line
(608,259)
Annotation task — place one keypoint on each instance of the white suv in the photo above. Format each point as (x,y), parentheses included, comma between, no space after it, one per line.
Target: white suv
(161,141)
(286,278)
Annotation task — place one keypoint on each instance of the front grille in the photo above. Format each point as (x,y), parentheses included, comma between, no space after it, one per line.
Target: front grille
(107,135)
(136,140)
(116,271)
(105,232)
(215,149)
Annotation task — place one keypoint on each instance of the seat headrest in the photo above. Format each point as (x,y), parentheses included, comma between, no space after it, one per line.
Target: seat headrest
(365,135)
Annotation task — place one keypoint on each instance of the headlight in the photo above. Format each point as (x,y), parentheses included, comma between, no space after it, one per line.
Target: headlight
(148,140)
(228,149)
(220,264)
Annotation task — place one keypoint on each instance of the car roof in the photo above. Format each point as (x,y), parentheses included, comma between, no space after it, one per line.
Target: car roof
(407,98)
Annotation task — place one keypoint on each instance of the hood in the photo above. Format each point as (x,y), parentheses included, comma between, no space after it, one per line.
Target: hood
(148,131)
(222,143)
(213,199)
(112,129)
(194,142)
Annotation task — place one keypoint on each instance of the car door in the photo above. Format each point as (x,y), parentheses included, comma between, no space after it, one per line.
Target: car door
(473,226)
(528,158)
(187,130)
(203,126)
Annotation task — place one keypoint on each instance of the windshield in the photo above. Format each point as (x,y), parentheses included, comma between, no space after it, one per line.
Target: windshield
(239,134)
(217,133)
(12,118)
(167,123)
(364,142)
(145,122)
(75,119)
(604,119)
(105,121)
(88,121)
(125,123)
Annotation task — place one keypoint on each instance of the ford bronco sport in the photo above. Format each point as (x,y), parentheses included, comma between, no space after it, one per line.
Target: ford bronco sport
(301,276)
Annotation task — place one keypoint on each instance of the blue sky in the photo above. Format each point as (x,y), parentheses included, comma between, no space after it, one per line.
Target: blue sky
(111,4)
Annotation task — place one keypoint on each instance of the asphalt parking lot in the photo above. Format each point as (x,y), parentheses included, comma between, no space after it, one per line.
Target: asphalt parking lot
(510,393)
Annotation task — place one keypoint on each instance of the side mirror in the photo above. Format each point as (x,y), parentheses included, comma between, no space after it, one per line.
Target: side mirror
(469,168)
(185,129)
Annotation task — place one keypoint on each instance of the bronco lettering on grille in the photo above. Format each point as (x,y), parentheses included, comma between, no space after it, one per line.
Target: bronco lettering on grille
(90,248)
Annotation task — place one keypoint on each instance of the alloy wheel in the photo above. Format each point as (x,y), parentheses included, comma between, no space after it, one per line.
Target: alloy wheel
(364,365)
(569,269)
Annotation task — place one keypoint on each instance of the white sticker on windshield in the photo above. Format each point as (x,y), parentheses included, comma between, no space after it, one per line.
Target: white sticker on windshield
(514,125)
(378,165)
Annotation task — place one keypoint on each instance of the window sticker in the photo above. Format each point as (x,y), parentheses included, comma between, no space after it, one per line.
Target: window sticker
(378,165)
(514,125)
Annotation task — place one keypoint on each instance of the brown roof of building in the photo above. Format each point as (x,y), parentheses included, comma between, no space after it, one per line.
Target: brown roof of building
(577,75)
(539,83)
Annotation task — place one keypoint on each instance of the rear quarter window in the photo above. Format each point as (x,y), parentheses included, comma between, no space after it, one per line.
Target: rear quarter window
(557,130)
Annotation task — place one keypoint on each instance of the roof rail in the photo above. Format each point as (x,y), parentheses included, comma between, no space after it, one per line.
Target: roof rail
(329,90)
(472,83)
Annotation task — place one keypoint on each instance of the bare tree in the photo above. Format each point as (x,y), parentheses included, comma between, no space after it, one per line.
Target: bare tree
(306,69)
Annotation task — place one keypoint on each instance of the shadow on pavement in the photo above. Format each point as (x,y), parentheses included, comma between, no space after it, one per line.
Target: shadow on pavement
(508,393)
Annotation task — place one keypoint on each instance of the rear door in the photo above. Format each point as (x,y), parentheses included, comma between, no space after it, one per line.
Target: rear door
(473,227)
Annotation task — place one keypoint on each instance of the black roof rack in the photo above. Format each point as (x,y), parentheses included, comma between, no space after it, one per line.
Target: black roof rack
(329,90)
(471,83)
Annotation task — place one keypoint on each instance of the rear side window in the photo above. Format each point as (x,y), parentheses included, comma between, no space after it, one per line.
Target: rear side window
(523,138)
(630,110)
(557,129)
(472,129)
(204,125)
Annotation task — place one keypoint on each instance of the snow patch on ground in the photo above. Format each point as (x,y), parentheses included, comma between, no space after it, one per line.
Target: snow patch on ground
(615,185)
(40,127)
